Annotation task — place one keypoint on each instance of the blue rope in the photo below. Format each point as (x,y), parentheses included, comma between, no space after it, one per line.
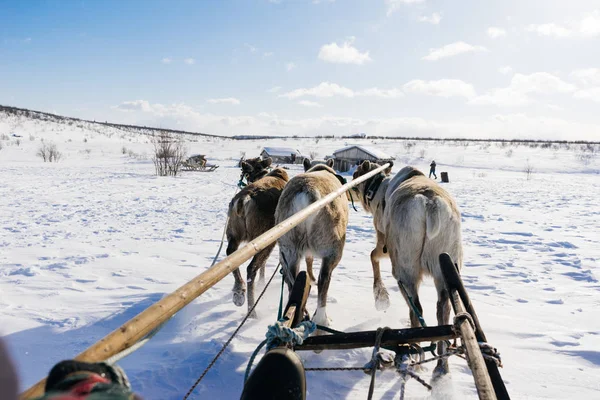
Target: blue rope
(280,312)
(277,335)
(251,361)
(413,306)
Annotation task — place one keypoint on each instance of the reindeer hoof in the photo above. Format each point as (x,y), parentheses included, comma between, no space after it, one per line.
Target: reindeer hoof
(239,297)
(440,370)
(382,298)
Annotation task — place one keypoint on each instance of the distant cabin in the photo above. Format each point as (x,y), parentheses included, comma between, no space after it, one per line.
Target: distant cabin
(282,155)
(346,158)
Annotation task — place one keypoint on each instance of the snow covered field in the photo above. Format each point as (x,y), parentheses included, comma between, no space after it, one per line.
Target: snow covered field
(87,243)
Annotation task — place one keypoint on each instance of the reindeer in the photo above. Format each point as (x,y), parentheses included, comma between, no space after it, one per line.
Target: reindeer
(251,213)
(415,221)
(323,234)
(308,164)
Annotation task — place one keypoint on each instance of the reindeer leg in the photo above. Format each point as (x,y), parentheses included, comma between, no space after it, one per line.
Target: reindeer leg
(443,318)
(327,266)
(382,298)
(309,268)
(239,287)
(411,288)
(258,262)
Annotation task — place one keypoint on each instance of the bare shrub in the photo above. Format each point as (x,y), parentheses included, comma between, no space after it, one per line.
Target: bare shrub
(422,153)
(313,155)
(528,169)
(31,137)
(49,153)
(585,158)
(169,153)
(85,140)
(18,142)
(1,146)
(4,137)
(124,150)
(509,153)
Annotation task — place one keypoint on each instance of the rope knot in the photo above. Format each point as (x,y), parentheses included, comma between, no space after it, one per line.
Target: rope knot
(489,352)
(279,334)
(459,317)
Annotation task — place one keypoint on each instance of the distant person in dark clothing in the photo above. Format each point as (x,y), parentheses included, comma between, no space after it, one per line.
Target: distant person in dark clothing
(432,169)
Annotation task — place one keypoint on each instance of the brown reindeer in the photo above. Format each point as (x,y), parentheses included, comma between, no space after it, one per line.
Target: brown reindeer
(415,220)
(251,213)
(308,163)
(323,234)
(255,168)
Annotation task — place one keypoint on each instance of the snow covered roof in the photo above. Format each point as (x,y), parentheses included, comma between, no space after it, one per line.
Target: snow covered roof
(280,151)
(369,150)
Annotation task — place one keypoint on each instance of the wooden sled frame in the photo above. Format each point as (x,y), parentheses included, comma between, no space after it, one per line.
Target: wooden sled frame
(488,381)
(185,166)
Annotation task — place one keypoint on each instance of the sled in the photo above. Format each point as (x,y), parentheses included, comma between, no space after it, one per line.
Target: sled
(283,363)
(197,163)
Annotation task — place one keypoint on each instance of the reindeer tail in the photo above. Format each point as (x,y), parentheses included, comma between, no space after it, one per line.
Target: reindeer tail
(238,205)
(433,212)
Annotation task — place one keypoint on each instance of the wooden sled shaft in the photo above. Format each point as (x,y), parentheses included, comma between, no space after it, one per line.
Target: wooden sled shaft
(454,282)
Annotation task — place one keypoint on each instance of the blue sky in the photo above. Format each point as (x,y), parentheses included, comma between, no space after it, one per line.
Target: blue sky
(507,69)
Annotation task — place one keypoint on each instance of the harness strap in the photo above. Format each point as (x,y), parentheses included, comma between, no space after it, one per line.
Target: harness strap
(371,187)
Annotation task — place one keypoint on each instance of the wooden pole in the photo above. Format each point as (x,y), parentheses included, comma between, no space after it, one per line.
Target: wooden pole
(483,383)
(453,280)
(143,323)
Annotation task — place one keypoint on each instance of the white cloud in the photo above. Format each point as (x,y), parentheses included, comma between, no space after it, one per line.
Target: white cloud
(434,18)
(590,24)
(441,88)
(521,87)
(307,103)
(394,5)
(540,82)
(384,93)
(344,54)
(226,100)
(592,94)
(550,30)
(587,76)
(495,33)
(267,54)
(274,89)
(181,116)
(290,66)
(452,49)
(587,27)
(166,60)
(505,70)
(157,109)
(250,48)
(327,89)
(324,89)
(189,61)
